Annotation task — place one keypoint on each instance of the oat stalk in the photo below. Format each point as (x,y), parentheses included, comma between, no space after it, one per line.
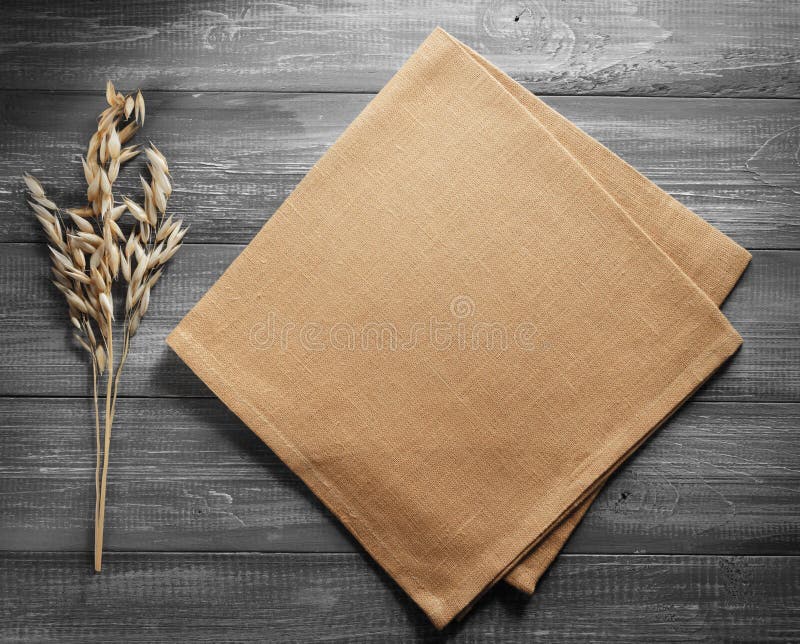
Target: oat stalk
(92,248)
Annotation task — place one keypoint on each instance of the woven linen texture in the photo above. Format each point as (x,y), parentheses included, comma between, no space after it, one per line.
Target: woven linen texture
(458,201)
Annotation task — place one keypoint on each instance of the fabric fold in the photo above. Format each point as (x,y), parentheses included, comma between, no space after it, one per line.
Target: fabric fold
(465,317)
(708,257)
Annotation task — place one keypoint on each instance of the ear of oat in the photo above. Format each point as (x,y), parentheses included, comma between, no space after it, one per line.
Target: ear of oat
(89,250)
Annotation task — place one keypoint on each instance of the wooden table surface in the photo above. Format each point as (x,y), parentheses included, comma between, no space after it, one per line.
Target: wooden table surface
(209,536)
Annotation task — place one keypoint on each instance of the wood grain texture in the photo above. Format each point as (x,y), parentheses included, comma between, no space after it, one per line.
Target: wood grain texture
(636,47)
(236,156)
(244,97)
(41,360)
(187,475)
(256,597)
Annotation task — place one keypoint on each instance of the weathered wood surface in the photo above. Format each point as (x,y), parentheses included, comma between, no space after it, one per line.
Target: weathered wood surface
(41,360)
(188,475)
(244,98)
(236,156)
(637,47)
(341,597)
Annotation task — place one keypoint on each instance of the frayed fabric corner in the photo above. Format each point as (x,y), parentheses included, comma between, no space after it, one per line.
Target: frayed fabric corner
(466,316)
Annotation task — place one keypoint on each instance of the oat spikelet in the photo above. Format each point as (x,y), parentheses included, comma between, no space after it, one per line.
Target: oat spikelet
(92,244)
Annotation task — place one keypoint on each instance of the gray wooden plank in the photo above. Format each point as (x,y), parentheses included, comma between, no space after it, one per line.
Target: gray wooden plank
(187,475)
(40,359)
(236,156)
(639,47)
(189,597)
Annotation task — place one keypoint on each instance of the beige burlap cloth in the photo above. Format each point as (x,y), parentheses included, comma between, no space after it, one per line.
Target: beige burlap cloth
(463,319)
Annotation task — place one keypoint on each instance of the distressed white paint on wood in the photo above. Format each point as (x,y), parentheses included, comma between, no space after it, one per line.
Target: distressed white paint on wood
(186,474)
(236,156)
(637,47)
(721,478)
(289,597)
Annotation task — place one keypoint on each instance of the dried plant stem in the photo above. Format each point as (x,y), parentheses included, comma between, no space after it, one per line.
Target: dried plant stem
(111,405)
(97,444)
(98,543)
(126,344)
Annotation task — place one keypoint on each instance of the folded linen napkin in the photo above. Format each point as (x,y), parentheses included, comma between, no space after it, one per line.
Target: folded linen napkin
(462,320)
